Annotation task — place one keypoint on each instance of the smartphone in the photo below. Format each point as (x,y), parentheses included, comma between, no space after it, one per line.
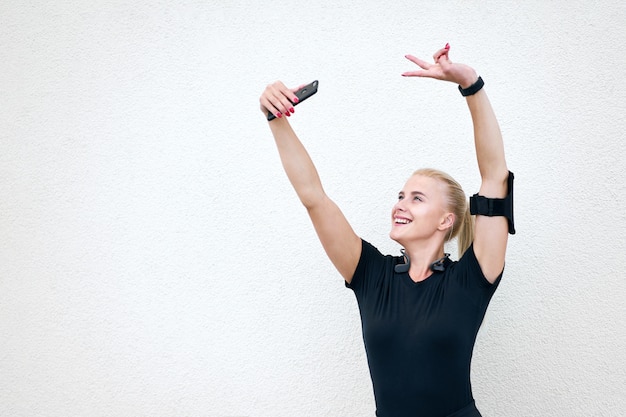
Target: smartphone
(302,94)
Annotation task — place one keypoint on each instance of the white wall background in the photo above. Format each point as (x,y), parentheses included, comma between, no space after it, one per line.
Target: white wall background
(154,260)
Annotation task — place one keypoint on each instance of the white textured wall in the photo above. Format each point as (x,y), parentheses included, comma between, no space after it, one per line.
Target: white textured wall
(154,260)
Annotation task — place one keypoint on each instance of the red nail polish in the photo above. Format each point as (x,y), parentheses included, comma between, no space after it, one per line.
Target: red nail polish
(279,115)
(292,110)
(447,46)
(295,100)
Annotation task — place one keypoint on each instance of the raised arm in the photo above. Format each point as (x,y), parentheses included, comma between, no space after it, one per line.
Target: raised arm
(491,233)
(341,244)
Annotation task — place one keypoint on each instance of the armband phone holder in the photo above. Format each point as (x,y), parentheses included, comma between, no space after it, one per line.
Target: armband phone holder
(495,206)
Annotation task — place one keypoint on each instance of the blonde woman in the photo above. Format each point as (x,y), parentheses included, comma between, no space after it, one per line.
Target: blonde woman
(420,312)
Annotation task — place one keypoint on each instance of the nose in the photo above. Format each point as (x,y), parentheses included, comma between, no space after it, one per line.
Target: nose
(399,206)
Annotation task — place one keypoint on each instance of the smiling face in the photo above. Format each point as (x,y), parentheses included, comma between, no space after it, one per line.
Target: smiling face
(421,211)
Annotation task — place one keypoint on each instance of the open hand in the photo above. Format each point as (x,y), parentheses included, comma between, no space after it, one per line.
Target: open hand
(443,69)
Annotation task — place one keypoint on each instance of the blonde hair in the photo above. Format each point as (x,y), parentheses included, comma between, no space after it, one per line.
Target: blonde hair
(463,226)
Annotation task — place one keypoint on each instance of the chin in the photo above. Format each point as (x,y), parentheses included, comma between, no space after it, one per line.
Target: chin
(394,237)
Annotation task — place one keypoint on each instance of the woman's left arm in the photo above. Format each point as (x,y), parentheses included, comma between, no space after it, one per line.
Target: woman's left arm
(491,233)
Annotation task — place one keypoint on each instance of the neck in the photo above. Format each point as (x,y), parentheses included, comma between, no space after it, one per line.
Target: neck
(422,257)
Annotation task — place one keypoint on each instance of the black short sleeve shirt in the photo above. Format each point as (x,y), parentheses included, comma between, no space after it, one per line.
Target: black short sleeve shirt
(419,336)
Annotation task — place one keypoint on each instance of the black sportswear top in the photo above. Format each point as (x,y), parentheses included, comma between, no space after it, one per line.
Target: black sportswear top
(419,336)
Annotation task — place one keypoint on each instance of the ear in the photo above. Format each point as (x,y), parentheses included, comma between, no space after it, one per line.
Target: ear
(447,221)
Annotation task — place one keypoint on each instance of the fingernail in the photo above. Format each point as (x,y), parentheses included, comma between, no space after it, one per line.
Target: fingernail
(292,110)
(447,46)
(295,100)
(279,115)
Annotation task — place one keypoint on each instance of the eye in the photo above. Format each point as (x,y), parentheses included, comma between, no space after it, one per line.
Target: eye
(400,197)
(418,198)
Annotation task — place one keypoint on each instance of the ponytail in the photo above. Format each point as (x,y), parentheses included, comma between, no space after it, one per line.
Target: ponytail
(465,236)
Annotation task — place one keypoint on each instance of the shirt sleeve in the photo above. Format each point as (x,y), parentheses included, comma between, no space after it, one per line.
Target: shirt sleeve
(369,271)
(471,277)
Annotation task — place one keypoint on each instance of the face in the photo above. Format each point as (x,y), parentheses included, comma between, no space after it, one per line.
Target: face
(420,212)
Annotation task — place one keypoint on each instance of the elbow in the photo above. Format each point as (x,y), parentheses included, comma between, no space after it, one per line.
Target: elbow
(311,200)
(495,185)
(502,175)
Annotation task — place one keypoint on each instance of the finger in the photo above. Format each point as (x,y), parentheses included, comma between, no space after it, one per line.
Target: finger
(444,62)
(440,53)
(267,106)
(286,97)
(415,74)
(282,98)
(271,99)
(294,98)
(444,51)
(421,63)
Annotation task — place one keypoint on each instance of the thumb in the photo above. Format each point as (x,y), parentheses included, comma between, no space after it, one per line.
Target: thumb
(441,56)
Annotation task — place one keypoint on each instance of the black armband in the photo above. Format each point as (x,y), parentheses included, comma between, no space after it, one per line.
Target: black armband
(495,206)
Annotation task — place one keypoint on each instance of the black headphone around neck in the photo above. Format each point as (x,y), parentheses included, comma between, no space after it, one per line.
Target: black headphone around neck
(438,266)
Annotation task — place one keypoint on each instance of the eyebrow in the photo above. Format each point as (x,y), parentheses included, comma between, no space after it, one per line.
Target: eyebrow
(414,193)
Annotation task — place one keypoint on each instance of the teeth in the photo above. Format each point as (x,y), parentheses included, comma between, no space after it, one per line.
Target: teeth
(403,221)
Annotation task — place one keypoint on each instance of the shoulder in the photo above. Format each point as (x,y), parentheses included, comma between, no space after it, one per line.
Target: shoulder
(467,269)
(372,266)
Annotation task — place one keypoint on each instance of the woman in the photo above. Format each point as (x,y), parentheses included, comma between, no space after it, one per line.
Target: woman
(421,312)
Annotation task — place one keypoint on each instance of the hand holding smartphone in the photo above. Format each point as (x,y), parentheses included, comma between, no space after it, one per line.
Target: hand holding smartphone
(302,94)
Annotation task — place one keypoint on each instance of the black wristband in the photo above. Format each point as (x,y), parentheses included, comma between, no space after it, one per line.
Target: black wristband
(472,89)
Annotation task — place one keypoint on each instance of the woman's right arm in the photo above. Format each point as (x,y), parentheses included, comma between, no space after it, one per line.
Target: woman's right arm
(341,244)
